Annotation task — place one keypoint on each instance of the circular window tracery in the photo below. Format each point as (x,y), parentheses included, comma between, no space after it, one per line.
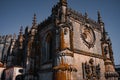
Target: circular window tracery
(88,36)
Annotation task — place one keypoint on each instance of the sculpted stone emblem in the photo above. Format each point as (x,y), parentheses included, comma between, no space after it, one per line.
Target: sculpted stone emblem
(92,71)
(88,36)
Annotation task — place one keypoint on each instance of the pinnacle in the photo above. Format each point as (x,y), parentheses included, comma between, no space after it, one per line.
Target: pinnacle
(34,20)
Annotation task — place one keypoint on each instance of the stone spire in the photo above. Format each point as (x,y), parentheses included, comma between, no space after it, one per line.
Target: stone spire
(104,33)
(99,18)
(34,21)
(21,30)
(20,38)
(86,15)
(34,26)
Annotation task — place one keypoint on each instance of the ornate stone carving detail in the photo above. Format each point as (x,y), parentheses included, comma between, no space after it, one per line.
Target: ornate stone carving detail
(65,30)
(65,67)
(78,16)
(114,75)
(88,36)
(91,71)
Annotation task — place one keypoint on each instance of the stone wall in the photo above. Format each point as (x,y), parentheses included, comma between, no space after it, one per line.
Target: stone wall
(78,42)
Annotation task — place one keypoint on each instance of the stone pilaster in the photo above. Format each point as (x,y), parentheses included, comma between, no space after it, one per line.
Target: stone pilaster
(64,68)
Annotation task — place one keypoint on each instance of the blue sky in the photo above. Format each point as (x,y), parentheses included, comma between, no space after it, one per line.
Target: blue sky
(17,13)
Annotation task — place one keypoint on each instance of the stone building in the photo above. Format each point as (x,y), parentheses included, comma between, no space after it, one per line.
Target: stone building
(117,68)
(66,46)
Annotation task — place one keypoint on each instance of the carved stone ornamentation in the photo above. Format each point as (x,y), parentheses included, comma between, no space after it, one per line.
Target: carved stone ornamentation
(92,71)
(88,36)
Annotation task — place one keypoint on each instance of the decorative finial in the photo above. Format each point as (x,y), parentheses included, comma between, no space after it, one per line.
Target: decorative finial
(34,20)
(21,29)
(20,38)
(63,2)
(99,17)
(86,15)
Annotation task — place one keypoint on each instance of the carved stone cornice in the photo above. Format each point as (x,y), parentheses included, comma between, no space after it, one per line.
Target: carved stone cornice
(65,52)
(88,54)
(65,67)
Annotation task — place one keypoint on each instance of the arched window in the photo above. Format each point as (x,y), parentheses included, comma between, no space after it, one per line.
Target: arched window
(49,46)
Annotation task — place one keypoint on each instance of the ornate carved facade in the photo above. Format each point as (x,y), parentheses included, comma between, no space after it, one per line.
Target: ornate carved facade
(66,46)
